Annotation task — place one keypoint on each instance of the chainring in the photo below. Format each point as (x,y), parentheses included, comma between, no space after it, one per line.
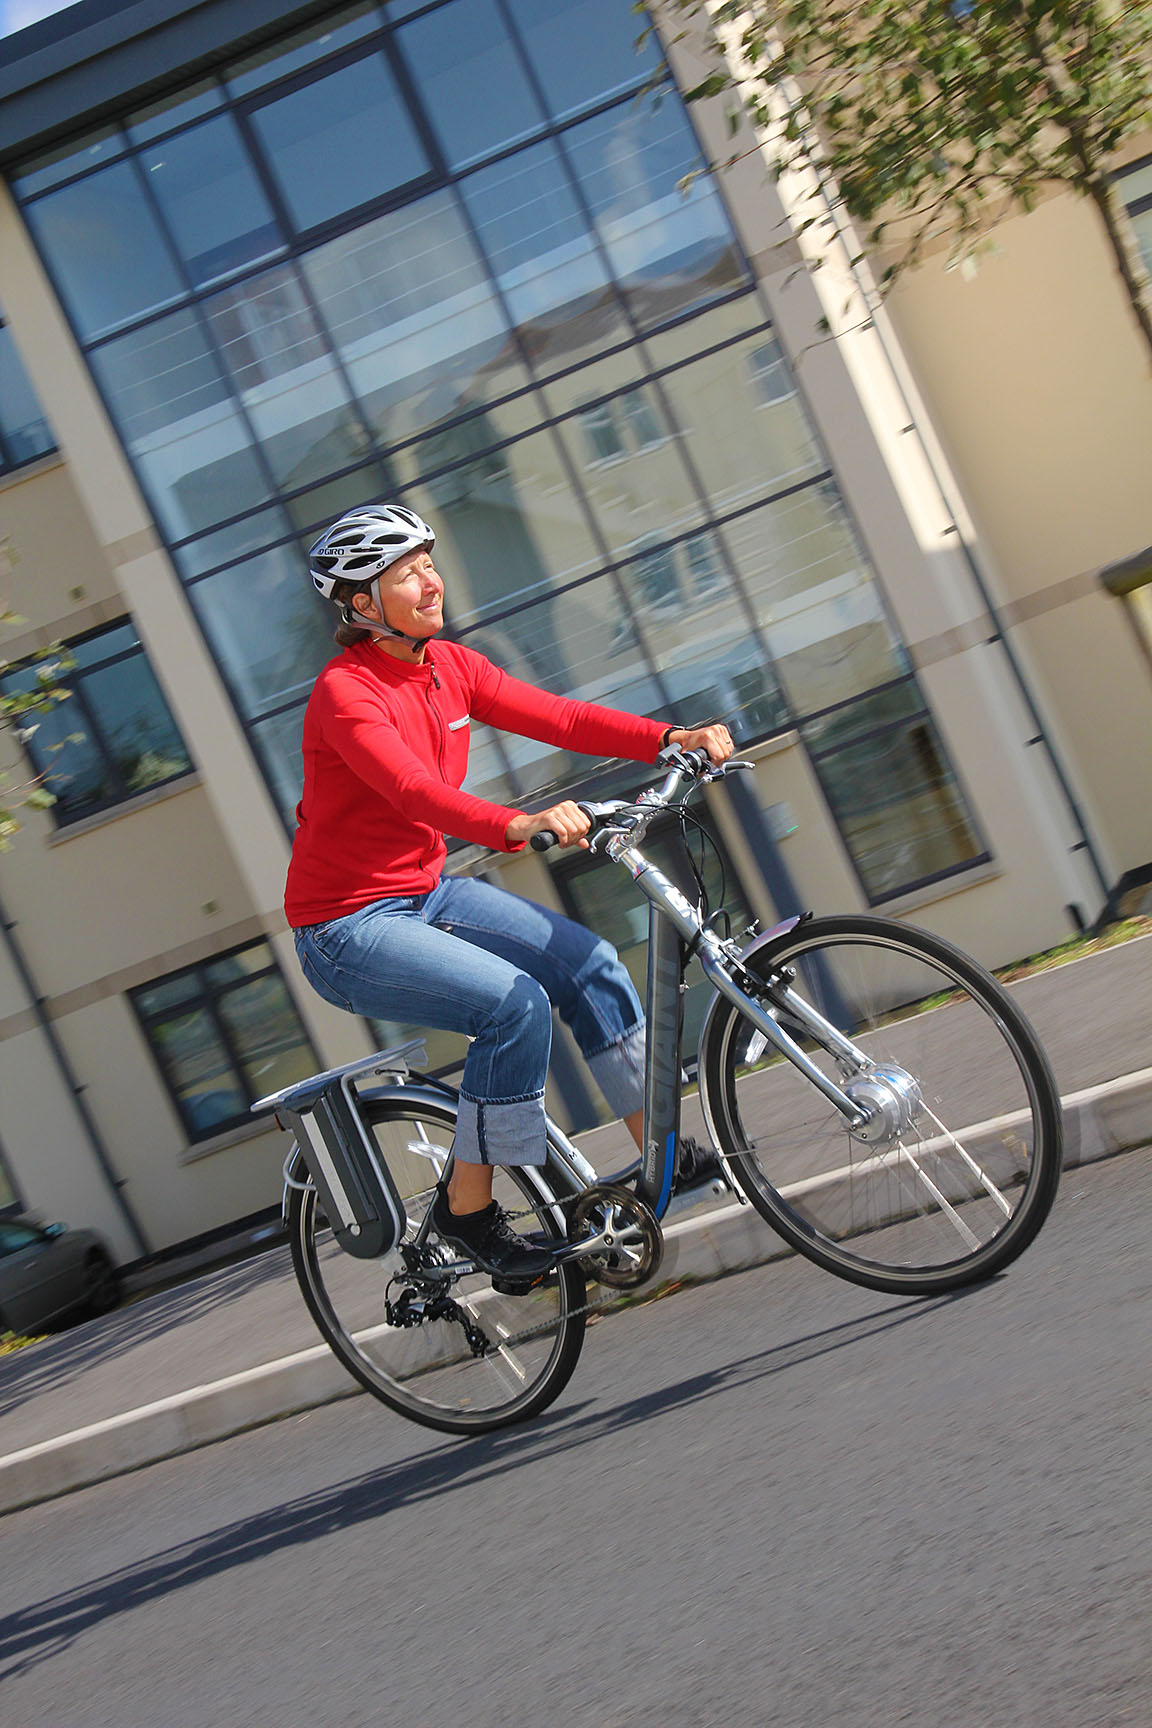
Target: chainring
(638,1242)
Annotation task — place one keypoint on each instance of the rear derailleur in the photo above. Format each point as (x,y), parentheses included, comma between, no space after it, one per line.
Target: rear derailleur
(419,1298)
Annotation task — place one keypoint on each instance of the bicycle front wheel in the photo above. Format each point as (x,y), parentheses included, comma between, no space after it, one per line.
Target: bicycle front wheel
(474,1361)
(964,1174)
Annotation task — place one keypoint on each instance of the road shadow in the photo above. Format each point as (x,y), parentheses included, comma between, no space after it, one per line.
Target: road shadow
(37,1632)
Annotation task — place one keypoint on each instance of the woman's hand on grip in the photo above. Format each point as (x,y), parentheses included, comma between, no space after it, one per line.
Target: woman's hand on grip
(716,740)
(567,821)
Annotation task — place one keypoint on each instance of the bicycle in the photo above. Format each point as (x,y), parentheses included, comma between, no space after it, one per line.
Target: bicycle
(872,1091)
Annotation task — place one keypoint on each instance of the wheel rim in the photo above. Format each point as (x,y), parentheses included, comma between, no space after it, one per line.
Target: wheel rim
(429,1371)
(950,1189)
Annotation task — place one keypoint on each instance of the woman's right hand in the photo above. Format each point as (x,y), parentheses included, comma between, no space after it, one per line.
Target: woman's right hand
(567,821)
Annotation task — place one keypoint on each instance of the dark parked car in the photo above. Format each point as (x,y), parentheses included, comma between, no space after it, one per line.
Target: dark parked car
(49,1271)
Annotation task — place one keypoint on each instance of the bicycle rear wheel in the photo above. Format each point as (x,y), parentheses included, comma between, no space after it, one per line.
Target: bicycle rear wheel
(964,1177)
(485,1359)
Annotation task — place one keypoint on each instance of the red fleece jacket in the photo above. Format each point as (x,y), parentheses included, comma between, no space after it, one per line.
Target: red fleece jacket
(385,754)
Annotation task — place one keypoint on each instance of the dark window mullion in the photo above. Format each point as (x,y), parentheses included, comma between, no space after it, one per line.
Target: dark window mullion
(214,997)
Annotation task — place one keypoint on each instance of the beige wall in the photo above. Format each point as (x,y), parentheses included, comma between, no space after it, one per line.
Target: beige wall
(1042,390)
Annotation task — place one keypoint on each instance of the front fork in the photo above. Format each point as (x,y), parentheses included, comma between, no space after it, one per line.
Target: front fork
(674,929)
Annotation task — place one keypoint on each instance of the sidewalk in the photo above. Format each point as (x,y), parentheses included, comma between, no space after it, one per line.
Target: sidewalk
(235,1346)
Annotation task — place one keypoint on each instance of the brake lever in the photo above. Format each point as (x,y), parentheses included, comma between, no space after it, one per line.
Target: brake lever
(718,770)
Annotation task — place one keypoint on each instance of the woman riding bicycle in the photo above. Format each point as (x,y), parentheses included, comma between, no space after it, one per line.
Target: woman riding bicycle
(381,932)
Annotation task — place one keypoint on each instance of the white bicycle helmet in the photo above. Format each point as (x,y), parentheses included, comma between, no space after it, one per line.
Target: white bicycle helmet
(362,544)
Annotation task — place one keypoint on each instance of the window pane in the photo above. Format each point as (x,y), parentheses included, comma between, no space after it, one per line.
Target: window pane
(276,742)
(150,122)
(207,1087)
(814,597)
(180,424)
(212,199)
(135,724)
(173,993)
(230,543)
(104,646)
(267,1033)
(68,159)
(340,142)
(313,510)
(584,50)
(684,601)
(898,805)
(267,626)
(234,968)
(545,256)
(741,445)
(112,737)
(106,250)
(643,489)
(183,1017)
(474,86)
(64,750)
(303,49)
(593,383)
(669,249)
(286,378)
(414,318)
(867,714)
(23,428)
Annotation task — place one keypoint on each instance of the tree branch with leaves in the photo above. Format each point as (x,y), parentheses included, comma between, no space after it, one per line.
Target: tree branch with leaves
(931,120)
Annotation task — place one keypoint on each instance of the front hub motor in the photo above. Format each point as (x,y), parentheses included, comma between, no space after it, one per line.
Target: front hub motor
(625,1242)
(892,1100)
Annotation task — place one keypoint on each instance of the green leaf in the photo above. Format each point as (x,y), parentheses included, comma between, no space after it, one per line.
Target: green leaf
(714,85)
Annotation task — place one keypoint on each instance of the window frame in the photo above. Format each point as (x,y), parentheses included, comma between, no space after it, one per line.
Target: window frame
(210,995)
(94,734)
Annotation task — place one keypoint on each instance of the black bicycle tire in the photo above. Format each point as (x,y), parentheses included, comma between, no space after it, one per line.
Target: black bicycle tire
(546,1387)
(718,1077)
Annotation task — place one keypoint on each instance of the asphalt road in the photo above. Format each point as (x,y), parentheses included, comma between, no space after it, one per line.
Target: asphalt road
(774,1499)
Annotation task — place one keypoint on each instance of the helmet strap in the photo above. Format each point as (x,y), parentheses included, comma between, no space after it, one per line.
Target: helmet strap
(372,627)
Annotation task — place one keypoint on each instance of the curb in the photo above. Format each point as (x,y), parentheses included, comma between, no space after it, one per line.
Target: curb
(1099,1123)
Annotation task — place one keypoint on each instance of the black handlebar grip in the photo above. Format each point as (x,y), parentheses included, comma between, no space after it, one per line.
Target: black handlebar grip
(544,840)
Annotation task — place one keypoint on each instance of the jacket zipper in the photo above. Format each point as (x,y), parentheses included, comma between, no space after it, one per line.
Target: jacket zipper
(442,737)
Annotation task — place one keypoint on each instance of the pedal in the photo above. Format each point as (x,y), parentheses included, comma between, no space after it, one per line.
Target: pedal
(519,1286)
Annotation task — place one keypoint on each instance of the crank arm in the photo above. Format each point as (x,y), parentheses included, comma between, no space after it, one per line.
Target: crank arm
(606,1239)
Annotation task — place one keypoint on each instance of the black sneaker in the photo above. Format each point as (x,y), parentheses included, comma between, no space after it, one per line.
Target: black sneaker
(489,1239)
(695,1165)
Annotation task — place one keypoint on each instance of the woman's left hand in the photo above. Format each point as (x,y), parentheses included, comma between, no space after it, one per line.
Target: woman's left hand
(716,740)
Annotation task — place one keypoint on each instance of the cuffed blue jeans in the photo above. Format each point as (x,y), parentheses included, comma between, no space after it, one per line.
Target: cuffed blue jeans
(472,958)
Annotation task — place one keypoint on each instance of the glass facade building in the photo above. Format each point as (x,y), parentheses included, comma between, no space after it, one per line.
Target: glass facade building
(468,255)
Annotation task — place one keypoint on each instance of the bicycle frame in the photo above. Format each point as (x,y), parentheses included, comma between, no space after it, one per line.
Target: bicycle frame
(676,933)
(336,1143)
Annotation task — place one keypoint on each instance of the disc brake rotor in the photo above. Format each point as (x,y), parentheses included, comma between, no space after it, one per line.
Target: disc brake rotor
(630,1242)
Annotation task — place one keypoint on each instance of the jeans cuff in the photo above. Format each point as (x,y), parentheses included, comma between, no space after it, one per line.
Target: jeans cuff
(501,1133)
(619,1072)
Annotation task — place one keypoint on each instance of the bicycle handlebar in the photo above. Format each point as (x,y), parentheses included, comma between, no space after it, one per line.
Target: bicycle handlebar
(694,763)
